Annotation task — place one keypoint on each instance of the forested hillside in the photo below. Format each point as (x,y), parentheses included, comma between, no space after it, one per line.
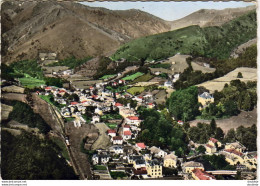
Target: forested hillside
(214,42)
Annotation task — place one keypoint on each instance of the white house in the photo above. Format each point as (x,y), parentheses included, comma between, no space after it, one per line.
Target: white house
(159,153)
(100,159)
(95,119)
(111,133)
(117,140)
(126,128)
(127,135)
(116,149)
(133,120)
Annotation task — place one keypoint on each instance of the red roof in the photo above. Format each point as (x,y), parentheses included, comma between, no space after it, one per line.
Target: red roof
(141,97)
(91,87)
(83,101)
(126,126)
(110,131)
(38,92)
(133,118)
(47,88)
(94,96)
(140,171)
(210,146)
(117,93)
(202,175)
(180,121)
(150,103)
(117,138)
(73,103)
(61,91)
(234,152)
(118,105)
(213,140)
(141,145)
(127,133)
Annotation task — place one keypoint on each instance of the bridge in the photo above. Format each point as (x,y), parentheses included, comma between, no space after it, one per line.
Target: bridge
(222,172)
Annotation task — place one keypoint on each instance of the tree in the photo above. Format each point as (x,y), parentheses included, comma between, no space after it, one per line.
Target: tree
(231,136)
(239,75)
(183,104)
(201,149)
(219,134)
(213,127)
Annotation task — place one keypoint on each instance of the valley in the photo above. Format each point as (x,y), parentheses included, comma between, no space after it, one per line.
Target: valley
(122,94)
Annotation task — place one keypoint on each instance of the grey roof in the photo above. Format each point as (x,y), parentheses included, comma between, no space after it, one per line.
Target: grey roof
(206,95)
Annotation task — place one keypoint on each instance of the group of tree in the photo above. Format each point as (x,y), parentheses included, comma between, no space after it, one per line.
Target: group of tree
(27,157)
(217,162)
(51,81)
(30,67)
(133,103)
(159,131)
(202,132)
(183,104)
(233,98)
(246,136)
(25,115)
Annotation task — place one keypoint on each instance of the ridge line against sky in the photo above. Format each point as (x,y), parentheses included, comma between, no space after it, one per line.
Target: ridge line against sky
(169,11)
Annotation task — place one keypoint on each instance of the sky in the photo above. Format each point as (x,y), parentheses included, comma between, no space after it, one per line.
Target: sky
(168,10)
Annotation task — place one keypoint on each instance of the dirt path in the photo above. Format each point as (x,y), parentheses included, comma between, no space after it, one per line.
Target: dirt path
(245,119)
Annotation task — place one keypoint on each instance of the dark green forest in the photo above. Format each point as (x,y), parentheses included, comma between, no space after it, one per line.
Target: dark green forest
(158,129)
(26,157)
(25,115)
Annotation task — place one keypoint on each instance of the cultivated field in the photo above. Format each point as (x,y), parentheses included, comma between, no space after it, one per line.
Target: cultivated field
(245,119)
(31,82)
(133,76)
(203,69)
(13,88)
(5,111)
(135,90)
(249,74)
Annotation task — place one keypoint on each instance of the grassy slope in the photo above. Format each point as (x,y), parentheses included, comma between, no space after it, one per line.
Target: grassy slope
(216,42)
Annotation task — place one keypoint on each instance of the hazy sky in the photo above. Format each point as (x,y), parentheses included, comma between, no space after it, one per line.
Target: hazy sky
(168,10)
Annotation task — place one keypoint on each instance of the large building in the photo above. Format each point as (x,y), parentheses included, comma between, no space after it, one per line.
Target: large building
(154,168)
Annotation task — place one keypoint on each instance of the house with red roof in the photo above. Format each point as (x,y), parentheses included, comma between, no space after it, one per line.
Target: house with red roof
(111,133)
(127,135)
(118,105)
(150,105)
(74,103)
(180,122)
(48,88)
(210,148)
(133,120)
(214,142)
(140,146)
(199,174)
(62,92)
(117,140)
(126,128)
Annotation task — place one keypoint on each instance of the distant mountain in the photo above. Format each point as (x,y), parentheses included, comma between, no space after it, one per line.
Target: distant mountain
(213,42)
(207,17)
(69,29)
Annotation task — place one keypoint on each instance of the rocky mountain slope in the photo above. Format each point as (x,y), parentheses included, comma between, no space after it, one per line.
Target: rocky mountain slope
(205,17)
(69,28)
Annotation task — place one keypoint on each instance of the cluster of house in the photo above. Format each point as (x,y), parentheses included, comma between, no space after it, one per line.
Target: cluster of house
(137,159)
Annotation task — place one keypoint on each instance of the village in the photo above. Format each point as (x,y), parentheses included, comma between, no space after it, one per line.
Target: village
(127,158)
